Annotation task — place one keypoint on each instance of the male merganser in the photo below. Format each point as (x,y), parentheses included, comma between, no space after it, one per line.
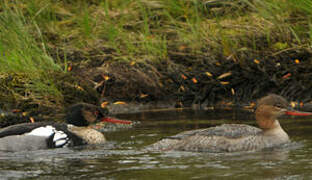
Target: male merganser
(44,135)
(236,137)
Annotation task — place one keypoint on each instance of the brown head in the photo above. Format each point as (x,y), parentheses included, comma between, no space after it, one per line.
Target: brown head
(269,108)
(83,114)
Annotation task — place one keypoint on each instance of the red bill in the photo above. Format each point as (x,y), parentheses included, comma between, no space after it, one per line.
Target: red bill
(116,121)
(298,113)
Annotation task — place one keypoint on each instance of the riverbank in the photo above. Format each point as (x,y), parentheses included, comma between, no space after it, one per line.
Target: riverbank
(186,53)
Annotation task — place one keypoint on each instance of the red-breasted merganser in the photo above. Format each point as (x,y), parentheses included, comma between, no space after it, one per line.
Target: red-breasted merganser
(236,137)
(44,135)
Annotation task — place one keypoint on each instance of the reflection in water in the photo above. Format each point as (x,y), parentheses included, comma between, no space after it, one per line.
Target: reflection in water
(123,157)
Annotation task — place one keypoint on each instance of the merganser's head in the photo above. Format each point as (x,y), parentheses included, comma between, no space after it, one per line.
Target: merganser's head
(83,114)
(270,107)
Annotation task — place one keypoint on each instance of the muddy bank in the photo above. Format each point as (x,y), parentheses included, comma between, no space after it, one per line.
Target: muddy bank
(127,87)
(238,79)
(180,84)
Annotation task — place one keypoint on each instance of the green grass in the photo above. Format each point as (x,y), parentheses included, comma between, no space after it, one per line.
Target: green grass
(149,30)
(24,58)
(291,18)
(143,31)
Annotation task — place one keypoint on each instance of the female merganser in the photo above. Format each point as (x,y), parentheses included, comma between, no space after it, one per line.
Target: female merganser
(236,137)
(44,135)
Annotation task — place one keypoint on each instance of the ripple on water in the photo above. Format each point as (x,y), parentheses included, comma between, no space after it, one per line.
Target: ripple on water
(123,158)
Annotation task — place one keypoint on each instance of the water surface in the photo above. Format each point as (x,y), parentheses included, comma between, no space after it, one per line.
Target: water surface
(123,158)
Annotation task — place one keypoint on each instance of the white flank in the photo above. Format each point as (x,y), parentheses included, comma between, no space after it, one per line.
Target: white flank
(43,131)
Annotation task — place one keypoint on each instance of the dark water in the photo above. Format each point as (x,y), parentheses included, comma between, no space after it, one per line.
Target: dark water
(123,157)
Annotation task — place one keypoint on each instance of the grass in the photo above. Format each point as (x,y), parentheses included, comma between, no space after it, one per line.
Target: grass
(137,29)
(25,60)
(156,32)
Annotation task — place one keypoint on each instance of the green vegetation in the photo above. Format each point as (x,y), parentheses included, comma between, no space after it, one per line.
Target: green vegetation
(40,39)
(25,67)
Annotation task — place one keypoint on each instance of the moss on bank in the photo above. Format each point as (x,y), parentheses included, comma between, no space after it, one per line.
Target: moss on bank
(191,52)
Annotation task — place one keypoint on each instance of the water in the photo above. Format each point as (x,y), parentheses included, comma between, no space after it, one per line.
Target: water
(123,157)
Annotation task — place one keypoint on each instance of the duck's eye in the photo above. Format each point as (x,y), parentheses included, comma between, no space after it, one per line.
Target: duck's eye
(279,105)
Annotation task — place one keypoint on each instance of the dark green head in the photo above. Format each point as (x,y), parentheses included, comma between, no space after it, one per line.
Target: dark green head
(83,114)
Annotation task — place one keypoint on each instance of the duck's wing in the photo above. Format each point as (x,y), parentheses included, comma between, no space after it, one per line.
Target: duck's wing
(55,134)
(226,130)
(231,131)
(20,129)
(200,137)
(42,137)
